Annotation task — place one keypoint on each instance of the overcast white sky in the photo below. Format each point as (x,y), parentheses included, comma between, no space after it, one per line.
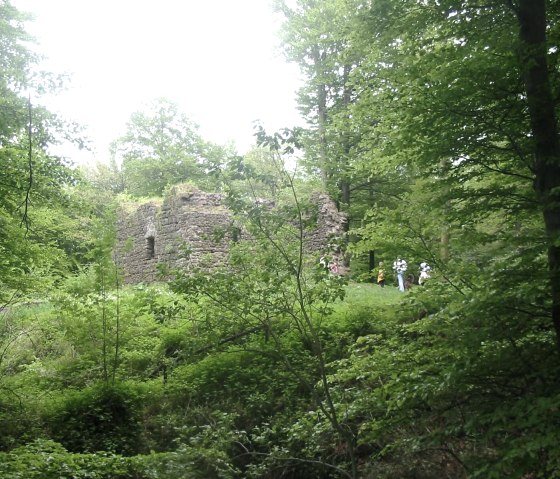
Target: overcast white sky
(218,59)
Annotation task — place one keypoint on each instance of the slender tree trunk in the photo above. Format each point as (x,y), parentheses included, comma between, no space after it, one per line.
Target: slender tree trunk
(531,15)
(104,328)
(346,143)
(371,257)
(444,244)
(118,326)
(445,235)
(321,118)
(344,181)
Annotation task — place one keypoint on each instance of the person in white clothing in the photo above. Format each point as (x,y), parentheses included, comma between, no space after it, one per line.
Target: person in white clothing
(400,268)
(424,273)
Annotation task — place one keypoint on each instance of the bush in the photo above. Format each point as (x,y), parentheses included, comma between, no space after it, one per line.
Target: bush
(100,418)
(45,459)
(17,423)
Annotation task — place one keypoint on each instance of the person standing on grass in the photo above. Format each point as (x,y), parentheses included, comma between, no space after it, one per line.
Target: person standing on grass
(400,268)
(425,270)
(381,275)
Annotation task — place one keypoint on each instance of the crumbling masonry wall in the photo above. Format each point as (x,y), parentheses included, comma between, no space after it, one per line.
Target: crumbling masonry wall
(190,227)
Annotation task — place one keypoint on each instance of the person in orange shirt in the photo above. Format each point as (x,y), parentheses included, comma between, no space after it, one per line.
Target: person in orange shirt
(381,275)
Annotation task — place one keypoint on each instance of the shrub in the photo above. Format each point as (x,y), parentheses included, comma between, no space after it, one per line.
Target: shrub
(46,459)
(104,417)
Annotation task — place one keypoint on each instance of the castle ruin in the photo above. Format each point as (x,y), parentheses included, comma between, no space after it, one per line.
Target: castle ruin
(198,223)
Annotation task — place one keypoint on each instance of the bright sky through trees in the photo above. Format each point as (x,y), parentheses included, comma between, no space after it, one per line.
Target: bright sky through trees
(217,59)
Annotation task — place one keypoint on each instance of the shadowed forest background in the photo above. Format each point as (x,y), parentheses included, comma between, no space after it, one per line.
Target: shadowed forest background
(433,125)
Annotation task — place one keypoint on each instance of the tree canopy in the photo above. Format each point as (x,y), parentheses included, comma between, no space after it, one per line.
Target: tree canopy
(34,182)
(162,147)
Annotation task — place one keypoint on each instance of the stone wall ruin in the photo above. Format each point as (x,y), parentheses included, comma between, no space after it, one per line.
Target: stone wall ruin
(198,223)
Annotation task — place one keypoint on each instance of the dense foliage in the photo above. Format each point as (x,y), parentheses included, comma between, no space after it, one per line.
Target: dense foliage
(430,122)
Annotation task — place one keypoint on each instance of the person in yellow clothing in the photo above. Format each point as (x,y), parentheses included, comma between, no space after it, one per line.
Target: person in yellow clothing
(381,275)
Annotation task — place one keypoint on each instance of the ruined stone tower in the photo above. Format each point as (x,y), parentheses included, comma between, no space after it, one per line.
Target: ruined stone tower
(191,220)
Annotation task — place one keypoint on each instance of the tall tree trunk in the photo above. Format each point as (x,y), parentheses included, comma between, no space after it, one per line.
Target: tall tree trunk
(346,142)
(321,118)
(371,258)
(531,15)
(344,181)
(445,166)
(444,244)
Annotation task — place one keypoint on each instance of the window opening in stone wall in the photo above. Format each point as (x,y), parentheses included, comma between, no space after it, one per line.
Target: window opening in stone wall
(151,247)
(235,234)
